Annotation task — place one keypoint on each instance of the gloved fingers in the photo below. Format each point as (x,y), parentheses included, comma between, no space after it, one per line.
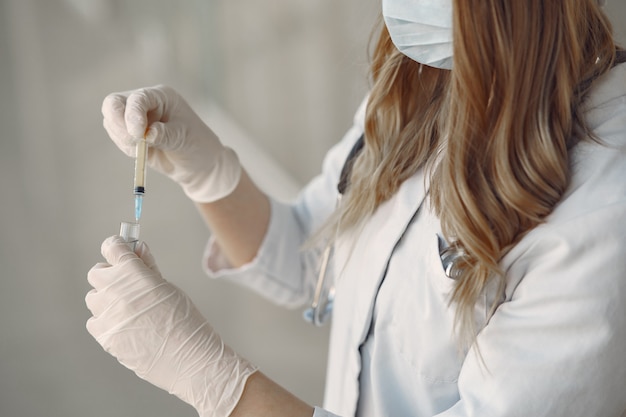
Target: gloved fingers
(143,107)
(125,276)
(155,307)
(108,285)
(90,327)
(114,106)
(120,137)
(128,114)
(98,327)
(115,250)
(96,303)
(126,289)
(96,278)
(108,303)
(143,251)
(113,111)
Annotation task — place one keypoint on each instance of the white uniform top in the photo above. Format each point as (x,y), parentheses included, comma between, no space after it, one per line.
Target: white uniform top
(555,347)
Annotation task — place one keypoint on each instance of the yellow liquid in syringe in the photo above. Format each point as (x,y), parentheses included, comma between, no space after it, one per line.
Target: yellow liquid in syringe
(139,188)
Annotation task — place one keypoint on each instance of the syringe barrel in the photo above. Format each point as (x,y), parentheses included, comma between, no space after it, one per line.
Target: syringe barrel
(140,167)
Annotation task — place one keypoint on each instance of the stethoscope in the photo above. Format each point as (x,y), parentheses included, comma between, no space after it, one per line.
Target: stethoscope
(324,296)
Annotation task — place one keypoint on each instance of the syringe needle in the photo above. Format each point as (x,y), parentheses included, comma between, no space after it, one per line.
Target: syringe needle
(139,188)
(138,206)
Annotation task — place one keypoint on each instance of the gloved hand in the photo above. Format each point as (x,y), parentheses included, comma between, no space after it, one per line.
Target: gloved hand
(154,329)
(181,146)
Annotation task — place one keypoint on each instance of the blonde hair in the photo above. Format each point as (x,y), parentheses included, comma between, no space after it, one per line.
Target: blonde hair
(495,131)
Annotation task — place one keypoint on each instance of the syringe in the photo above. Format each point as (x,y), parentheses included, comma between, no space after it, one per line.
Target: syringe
(139,188)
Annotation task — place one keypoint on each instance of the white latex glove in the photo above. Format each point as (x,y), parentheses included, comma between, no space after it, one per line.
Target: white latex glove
(181,146)
(153,328)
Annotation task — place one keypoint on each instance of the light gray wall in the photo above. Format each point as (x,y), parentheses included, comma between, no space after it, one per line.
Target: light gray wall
(65,187)
(616,9)
(290,72)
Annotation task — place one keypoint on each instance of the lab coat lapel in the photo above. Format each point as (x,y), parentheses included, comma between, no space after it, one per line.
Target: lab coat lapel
(375,247)
(362,261)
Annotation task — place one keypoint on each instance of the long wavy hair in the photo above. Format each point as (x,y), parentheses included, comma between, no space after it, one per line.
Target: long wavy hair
(494,131)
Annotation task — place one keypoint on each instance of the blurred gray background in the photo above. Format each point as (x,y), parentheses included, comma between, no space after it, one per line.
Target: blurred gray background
(277,79)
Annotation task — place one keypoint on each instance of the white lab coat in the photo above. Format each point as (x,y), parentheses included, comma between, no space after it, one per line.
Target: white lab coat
(556,346)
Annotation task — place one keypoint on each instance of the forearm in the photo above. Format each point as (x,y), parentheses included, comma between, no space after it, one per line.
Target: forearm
(239,221)
(263,397)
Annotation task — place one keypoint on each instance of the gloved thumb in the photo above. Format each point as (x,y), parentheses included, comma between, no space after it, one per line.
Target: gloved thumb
(115,250)
(168,136)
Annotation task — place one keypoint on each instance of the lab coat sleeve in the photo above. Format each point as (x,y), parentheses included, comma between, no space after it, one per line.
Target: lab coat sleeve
(556,347)
(319,412)
(278,272)
(283,271)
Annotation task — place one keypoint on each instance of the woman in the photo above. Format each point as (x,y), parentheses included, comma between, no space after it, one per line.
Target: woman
(478,248)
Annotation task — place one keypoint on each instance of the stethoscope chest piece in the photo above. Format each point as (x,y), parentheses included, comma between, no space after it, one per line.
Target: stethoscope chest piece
(450,256)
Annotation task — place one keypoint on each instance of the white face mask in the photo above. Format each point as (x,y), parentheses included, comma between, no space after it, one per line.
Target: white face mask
(421,30)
